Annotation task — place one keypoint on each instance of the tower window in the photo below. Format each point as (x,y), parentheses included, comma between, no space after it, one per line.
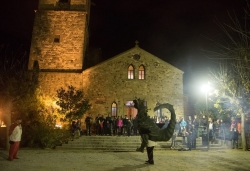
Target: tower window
(130,72)
(64,1)
(57,39)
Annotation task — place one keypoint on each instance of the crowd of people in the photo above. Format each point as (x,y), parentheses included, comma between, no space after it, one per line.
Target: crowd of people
(191,129)
(188,129)
(111,126)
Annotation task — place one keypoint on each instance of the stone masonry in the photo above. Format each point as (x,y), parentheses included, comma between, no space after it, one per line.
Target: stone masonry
(59,40)
(108,82)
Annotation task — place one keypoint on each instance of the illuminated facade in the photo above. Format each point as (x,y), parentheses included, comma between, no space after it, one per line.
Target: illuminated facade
(59,42)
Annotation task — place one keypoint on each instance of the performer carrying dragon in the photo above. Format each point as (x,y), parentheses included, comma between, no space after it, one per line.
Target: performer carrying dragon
(148,129)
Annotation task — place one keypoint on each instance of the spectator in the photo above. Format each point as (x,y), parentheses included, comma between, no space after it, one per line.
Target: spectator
(108,125)
(114,127)
(216,128)
(193,137)
(203,124)
(97,129)
(211,130)
(88,122)
(101,127)
(234,134)
(119,125)
(175,134)
(189,123)
(78,128)
(195,126)
(129,126)
(124,125)
(183,125)
(15,133)
(135,127)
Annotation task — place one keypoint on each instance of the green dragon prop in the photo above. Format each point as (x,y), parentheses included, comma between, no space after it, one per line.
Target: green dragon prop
(147,127)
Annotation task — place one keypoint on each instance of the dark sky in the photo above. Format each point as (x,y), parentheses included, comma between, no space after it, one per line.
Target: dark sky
(174,30)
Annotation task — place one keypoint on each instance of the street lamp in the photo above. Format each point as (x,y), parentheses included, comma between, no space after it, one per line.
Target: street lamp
(206,88)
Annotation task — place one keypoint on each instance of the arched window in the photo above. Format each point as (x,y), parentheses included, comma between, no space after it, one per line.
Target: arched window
(131,74)
(114,109)
(141,72)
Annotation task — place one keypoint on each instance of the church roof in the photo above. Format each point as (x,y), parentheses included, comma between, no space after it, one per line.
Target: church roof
(132,53)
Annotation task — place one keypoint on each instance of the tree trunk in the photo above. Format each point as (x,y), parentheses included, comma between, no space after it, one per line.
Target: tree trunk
(243,135)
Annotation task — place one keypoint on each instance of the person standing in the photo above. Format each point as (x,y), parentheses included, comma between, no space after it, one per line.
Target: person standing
(97,129)
(195,126)
(175,134)
(101,125)
(216,128)
(234,134)
(183,125)
(15,133)
(124,125)
(114,126)
(129,126)
(88,121)
(135,126)
(211,130)
(119,125)
(78,128)
(108,125)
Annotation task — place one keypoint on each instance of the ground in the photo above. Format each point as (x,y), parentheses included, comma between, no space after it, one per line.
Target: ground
(171,160)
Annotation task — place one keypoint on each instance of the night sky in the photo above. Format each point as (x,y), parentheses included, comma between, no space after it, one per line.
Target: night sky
(176,31)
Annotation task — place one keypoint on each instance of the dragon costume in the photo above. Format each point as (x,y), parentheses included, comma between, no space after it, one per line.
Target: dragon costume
(147,127)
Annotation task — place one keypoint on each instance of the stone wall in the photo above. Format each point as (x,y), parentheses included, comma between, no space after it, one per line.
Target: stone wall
(108,82)
(66,54)
(51,81)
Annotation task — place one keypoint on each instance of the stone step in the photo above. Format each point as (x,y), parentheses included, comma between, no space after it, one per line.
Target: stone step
(124,143)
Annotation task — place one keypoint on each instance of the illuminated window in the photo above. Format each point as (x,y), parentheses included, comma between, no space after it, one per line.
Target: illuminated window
(114,109)
(141,72)
(57,39)
(131,72)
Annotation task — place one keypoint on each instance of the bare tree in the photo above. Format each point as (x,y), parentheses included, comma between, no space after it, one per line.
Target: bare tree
(233,76)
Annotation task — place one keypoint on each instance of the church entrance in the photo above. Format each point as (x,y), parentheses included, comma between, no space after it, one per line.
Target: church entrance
(130,110)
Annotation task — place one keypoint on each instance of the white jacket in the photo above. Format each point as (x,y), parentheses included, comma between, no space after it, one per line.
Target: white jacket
(16,134)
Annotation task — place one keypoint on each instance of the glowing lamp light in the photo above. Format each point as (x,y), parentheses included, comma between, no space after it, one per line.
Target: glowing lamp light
(206,88)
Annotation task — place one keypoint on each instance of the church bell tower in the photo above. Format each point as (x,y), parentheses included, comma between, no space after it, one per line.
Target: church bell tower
(58,45)
(60,35)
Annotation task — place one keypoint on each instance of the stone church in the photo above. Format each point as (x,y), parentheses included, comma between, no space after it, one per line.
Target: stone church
(59,42)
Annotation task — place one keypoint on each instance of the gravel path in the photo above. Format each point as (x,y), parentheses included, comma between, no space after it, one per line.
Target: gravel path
(171,160)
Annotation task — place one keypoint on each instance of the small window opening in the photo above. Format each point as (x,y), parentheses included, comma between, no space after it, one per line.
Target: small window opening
(57,39)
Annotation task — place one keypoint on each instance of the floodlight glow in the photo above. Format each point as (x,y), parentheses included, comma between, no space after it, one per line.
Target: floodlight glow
(206,87)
